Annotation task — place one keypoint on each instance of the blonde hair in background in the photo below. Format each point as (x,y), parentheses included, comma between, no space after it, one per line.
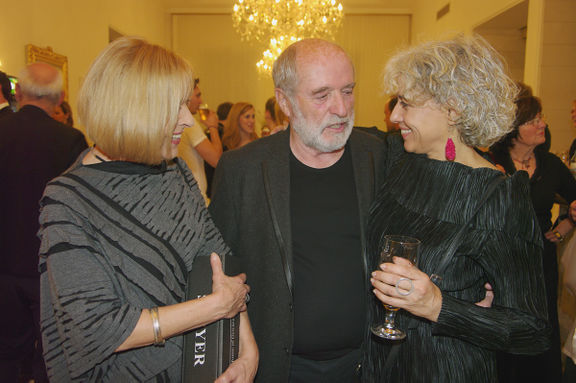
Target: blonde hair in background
(131,97)
(231,137)
(465,75)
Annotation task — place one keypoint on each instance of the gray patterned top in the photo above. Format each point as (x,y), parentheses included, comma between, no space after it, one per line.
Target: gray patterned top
(117,238)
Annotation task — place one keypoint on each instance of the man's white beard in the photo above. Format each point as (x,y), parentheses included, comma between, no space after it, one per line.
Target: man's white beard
(311,134)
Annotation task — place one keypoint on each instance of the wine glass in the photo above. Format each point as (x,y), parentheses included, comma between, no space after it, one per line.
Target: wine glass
(396,246)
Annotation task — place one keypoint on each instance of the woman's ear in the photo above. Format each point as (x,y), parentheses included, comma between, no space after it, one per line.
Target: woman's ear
(453,115)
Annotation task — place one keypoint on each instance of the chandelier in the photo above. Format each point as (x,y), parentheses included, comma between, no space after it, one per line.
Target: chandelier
(279,23)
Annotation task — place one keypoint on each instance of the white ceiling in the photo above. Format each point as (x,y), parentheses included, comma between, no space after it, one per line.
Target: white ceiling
(385,5)
(515,18)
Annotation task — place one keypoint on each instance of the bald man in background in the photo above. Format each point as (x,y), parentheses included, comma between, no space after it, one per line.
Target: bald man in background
(34,148)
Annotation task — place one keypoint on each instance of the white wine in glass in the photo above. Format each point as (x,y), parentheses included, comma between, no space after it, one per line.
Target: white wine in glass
(395,246)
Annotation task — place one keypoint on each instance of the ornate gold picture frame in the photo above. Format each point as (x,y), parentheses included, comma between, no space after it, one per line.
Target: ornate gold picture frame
(47,55)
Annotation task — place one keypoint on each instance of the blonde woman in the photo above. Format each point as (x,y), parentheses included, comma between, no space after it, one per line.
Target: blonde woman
(239,126)
(121,228)
(453,96)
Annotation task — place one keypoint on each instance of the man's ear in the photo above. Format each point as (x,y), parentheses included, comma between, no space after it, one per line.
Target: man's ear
(18,95)
(283,102)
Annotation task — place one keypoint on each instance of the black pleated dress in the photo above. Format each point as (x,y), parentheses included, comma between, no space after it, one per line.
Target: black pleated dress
(431,200)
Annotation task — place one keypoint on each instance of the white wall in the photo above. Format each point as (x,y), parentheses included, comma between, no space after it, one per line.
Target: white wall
(464,16)
(228,72)
(558,70)
(550,55)
(77,29)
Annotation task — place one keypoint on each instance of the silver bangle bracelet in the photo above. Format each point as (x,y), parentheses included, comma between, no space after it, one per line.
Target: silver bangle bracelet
(158,340)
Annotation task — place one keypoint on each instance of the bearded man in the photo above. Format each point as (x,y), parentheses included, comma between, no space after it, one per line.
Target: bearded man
(293,207)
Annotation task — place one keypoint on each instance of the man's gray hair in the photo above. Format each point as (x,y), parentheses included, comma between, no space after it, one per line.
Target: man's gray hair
(34,86)
(284,70)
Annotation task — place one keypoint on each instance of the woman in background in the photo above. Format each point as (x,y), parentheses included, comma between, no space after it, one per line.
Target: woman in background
(453,96)
(120,231)
(522,150)
(63,113)
(239,127)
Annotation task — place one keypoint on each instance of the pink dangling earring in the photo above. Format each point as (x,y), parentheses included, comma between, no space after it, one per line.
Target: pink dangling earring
(450,150)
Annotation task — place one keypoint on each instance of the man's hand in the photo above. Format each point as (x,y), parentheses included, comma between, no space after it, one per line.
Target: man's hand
(211,120)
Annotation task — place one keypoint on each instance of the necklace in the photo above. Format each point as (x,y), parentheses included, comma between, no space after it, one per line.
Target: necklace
(524,163)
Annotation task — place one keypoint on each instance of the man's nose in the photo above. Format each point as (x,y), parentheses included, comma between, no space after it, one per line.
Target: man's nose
(339,106)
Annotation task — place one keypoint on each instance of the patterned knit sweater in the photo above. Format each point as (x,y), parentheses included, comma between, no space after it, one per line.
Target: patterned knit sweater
(117,238)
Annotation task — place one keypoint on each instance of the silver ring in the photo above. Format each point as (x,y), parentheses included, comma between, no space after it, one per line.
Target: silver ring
(247,299)
(400,291)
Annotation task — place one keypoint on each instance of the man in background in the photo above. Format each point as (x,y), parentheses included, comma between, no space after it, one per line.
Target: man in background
(195,147)
(222,111)
(34,148)
(6,98)
(292,207)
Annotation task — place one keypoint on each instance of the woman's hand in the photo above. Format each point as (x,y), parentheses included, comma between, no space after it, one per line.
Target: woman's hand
(240,371)
(243,369)
(561,230)
(416,294)
(229,291)
(572,212)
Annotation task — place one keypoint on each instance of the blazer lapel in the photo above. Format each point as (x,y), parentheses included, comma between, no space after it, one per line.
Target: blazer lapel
(276,179)
(364,177)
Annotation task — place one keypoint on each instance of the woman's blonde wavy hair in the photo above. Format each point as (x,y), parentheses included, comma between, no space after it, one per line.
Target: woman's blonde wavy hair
(464,75)
(231,137)
(130,99)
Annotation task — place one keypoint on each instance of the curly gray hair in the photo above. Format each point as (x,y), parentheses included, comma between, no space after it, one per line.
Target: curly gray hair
(465,75)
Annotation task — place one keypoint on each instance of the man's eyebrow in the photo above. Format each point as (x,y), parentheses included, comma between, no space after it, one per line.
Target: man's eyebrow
(327,88)
(320,90)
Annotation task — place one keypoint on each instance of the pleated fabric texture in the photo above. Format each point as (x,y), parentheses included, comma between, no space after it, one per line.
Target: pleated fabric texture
(431,200)
(116,238)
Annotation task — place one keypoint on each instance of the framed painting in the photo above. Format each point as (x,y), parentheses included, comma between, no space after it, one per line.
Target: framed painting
(47,55)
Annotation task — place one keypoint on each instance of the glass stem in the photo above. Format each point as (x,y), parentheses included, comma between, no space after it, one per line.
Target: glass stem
(389,320)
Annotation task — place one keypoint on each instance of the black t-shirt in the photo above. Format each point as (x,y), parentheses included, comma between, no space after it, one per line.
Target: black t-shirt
(329,281)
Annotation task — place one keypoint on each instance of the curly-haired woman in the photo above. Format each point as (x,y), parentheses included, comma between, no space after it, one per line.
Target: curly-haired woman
(453,96)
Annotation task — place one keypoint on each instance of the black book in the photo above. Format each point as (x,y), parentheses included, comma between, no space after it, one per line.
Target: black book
(208,350)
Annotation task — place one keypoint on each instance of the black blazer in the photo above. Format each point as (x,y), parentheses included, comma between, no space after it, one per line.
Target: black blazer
(5,112)
(34,148)
(250,206)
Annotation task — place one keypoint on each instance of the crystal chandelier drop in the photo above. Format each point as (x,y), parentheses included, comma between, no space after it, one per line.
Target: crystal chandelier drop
(279,23)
